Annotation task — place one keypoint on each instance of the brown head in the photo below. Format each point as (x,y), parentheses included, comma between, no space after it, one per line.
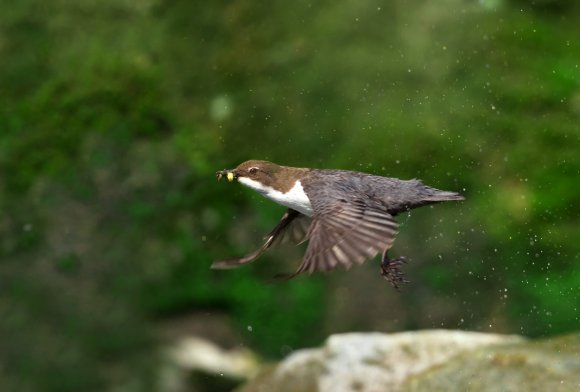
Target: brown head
(267,173)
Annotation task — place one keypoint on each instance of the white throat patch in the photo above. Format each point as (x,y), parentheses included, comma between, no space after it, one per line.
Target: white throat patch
(295,198)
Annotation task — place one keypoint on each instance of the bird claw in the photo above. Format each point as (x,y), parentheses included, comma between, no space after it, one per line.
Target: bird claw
(391,272)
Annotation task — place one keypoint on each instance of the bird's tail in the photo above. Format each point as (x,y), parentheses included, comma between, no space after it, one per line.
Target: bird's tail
(437,195)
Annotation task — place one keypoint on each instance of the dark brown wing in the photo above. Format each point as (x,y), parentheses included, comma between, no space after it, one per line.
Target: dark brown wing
(346,233)
(295,231)
(292,227)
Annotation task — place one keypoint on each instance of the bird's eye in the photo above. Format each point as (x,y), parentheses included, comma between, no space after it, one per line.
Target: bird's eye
(253,170)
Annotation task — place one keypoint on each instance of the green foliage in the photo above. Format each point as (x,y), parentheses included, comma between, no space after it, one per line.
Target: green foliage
(114,118)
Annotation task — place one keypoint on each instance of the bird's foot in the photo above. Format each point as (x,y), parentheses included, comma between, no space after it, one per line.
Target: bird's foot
(391,272)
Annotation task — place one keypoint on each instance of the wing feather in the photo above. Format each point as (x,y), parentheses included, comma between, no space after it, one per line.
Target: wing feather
(292,227)
(347,233)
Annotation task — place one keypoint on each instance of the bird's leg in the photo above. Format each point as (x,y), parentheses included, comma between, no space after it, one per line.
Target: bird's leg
(390,270)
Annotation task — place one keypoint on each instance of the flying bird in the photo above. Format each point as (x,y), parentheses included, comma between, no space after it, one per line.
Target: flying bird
(347,217)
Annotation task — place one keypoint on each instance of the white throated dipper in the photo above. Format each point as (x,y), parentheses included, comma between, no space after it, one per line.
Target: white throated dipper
(346,216)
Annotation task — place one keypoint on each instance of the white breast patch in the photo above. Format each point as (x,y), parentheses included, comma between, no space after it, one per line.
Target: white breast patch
(295,198)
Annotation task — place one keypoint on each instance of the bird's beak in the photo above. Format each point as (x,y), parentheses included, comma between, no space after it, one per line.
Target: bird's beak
(230,175)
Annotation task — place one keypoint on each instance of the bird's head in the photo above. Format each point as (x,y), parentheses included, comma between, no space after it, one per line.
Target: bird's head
(263,172)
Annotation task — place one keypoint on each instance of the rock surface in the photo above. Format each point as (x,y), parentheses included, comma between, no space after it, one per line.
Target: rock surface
(196,364)
(547,365)
(437,360)
(200,354)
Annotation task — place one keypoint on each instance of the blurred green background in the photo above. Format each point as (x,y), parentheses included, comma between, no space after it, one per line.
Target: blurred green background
(115,115)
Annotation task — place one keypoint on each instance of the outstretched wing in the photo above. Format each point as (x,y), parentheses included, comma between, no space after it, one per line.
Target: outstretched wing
(295,231)
(344,233)
(292,227)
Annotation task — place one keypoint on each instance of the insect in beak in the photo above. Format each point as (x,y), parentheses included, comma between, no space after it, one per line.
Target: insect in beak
(228,174)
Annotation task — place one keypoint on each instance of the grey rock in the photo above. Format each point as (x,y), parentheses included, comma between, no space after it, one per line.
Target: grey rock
(370,362)
(196,364)
(546,365)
